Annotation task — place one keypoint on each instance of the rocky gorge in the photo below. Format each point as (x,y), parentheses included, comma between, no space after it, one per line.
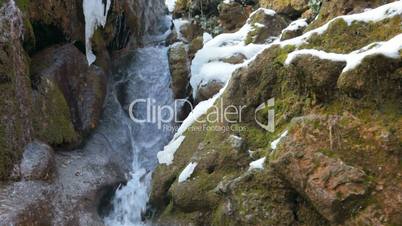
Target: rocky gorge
(318,140)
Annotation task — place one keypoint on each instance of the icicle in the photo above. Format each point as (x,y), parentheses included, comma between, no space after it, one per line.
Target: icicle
(95,13)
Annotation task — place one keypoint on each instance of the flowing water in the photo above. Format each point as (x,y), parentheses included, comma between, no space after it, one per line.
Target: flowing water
(142,75)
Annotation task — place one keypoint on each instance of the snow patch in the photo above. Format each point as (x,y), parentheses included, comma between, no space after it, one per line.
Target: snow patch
(296,25)
(95,13)
(167,155)
(274,144)
(206,37)
(258,164)
(388,49)
(207,65)
(383,12)
(186,173)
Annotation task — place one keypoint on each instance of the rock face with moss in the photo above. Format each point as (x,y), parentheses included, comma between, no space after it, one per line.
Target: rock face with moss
(335,155)
(16,101)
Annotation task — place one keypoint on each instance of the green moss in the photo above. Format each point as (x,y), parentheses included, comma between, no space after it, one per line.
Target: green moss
(53,121)
(23,5)
(343,38)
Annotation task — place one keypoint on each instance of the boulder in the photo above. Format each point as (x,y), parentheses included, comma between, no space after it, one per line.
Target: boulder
(290,8)
(296,28)
(208,90)
(330,9)
(319,76)
(191,30)
(331,185)
(232,16)
(37,162)
(83,87)
(195,45)
(180,70)
(377,77)
(265,25)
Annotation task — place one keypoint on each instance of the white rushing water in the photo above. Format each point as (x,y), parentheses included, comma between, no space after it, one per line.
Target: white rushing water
(147,76)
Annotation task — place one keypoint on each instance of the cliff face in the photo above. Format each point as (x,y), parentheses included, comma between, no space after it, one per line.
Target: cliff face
(335,155)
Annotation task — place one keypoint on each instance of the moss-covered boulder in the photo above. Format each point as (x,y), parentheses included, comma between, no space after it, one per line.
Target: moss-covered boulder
(331,9)
(77,91)
(232,16)
(265,26)
(340,37)
(377,77)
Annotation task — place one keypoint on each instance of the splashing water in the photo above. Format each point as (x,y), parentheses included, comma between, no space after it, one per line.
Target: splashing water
(146,76)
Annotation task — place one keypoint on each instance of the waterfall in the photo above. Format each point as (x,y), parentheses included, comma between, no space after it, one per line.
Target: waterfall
(147,77)
(144,76)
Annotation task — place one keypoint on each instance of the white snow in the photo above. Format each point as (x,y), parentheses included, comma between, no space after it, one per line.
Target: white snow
(375,15)
(207,64)
(296,25)
(95,13)
(258,164)
(186,173)
(167,155)
(389,49)
(206,37)
(170,4)
(269,12)
(275,143)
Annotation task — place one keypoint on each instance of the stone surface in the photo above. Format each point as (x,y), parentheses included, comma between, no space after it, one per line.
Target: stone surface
(82,87)
(264,27)
(180,70)
(191,30)
(37,162)
(290,8)
(232,16)
(15,98)
(208,90)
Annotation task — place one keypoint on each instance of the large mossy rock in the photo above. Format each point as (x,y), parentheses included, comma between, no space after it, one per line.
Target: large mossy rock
(61,76)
